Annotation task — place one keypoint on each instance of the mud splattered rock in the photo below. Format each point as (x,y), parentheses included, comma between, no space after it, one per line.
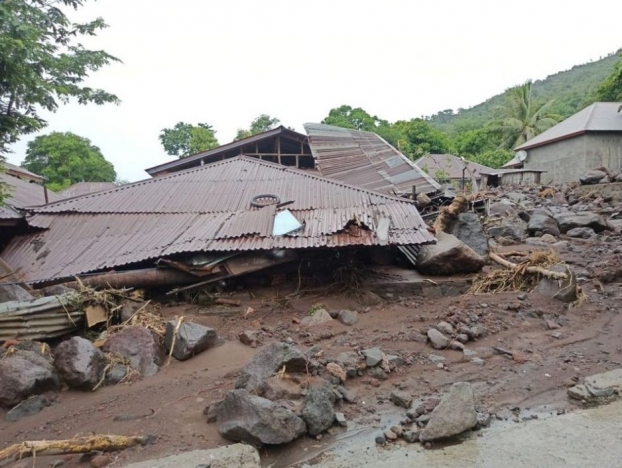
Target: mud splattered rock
(348,317)
(319,317)
(243,417)
(249,338)
(32,405)
(266,362)
(276,388)
(401,399)
(437,339)
(319,412)
(139,346)
(542,221)
(373,356)
(23,374)
(191,339)
(592,177)
(446,328)
(563,290)
(341,419)
(569,220)
(448,256)
(453,415)
(581,232)
(336,371)
(80,363)
(468,229)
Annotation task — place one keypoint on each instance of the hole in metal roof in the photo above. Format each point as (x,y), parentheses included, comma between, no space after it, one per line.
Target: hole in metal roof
(264,200)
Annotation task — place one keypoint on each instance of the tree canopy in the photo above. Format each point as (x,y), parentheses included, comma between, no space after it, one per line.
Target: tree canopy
(42,64)
(611,89)
(185,139)
(261,124)
(65,159)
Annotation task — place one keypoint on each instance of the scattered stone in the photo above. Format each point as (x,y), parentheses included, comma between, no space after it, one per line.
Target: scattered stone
(435,358)
(548,238)
(319,317)
(512,228)
(369,299)
(139,346)
(192,339)
(80,363)
(445,328)
(116,374)
(542,221)
(478,361)
(275,388)
(374,383)
(552,325)
(569,220)
(381,439)
(468,229)
(397,430)
(456,346)
(592,177)
(373,356)
(579,392)
(336,370)
(389,434)
(101,460)
(318,412)
(266,362)
(211,411)
(346,395)
(437,339)
(349,360)
(426,407)
(243,417)
(468,352)
(605,384)
(348,317)
(411,436)
(341,419)
(563,290)
(395,361)
(581,232)
(377,373)
(454,414)
(478,331)
(462,338)
(448,256)
(249,338)
(502,208)
(417,337)
(32,405)
(23,374)
(402,399)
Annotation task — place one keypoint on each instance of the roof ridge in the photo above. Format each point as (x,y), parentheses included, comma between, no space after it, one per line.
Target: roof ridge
(590,114)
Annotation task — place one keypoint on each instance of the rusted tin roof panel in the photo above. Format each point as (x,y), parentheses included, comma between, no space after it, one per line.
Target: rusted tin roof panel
(450,166)
(365,159)
(22,194)
(161,217)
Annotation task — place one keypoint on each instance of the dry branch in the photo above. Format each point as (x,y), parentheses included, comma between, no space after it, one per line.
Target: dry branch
(97,443)
(530,269)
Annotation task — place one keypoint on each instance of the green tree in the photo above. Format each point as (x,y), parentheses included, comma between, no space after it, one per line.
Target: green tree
(522,117)
(611,89)
(185,139)
(42,65)
(474,142)
(261,124)
(359,119)
(65,158)
(418,138)
(492,158)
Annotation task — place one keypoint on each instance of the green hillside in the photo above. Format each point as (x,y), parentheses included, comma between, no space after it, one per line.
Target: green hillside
(571,90)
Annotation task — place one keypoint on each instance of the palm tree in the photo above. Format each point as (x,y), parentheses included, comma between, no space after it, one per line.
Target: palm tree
(523,117)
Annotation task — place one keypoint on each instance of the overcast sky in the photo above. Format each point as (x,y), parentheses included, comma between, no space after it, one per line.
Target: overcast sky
(226,62)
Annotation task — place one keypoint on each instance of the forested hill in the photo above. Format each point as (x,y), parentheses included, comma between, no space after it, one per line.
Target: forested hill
(571,90)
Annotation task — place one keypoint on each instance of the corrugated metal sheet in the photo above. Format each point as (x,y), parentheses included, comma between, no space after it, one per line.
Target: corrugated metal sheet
(22,173)
(85,188)
(204,209)
(450,165)
(366,160)
(21,195)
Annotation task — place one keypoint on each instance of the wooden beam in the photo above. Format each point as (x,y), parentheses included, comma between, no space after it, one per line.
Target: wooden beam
(278,147)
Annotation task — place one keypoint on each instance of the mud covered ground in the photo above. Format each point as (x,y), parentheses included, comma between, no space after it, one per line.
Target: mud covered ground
(170,405)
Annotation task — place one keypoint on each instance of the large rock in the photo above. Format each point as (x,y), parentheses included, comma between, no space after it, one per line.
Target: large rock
(448,256)
(563,290)
(243,417)
(592,177)
(319,411)
(191,339)
(468,229)
(568,220)
(582,232)
(23,374)
(318,317)
(32,405)
(80,364)
(605,385)
(266,362)
(542,221)
(373,356)
(437,339)
(348,317)
(139,346)
(235,455)
(510,228)
(502,208)
(453,415)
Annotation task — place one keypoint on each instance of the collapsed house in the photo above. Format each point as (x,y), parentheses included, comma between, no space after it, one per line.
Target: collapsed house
(207,223)
(458,172)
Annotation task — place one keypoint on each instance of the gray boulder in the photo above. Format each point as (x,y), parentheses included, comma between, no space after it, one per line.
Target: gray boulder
(453,415)
(319,412)
(348,317)
(192,339)
(542,221)
(373,356)
(32,405)
(80,363)
(437,339)
(592,177)
(563,290)
(266,362)
(512,228)
(468,229)
(402,399)
(568,220)
(23,374)
(319,317)
(448,256)
(502,208)
(581,232)
(139,346)
(243,417)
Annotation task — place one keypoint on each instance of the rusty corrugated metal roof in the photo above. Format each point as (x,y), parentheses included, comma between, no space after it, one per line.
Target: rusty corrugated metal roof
(85,188)
(204,209)
(22,194)
(451,166)
(365,159)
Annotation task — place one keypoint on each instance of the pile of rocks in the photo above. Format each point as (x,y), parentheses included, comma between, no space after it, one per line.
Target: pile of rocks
(600,175)
(31,368)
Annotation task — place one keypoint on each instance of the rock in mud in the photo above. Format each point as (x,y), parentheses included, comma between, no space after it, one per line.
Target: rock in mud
(235,455)
(80,363)
(563,290)
(341,419)
(319,411)
(276,388)
(411,436)
(373,356)
(116,374)
(266,362)
(542,221)
(139,346)
(23,374)
(401,399)
(468,229)
(512,228)
(348,317)
(448,256)
(32,405)
(191,339)
(569,220)
(596,386)
(336,371)
(319,317)
(211,411)
(592,177)
(446,328)
(454,414)
(243,417)
(437,339)
(249,338)
(581,232)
